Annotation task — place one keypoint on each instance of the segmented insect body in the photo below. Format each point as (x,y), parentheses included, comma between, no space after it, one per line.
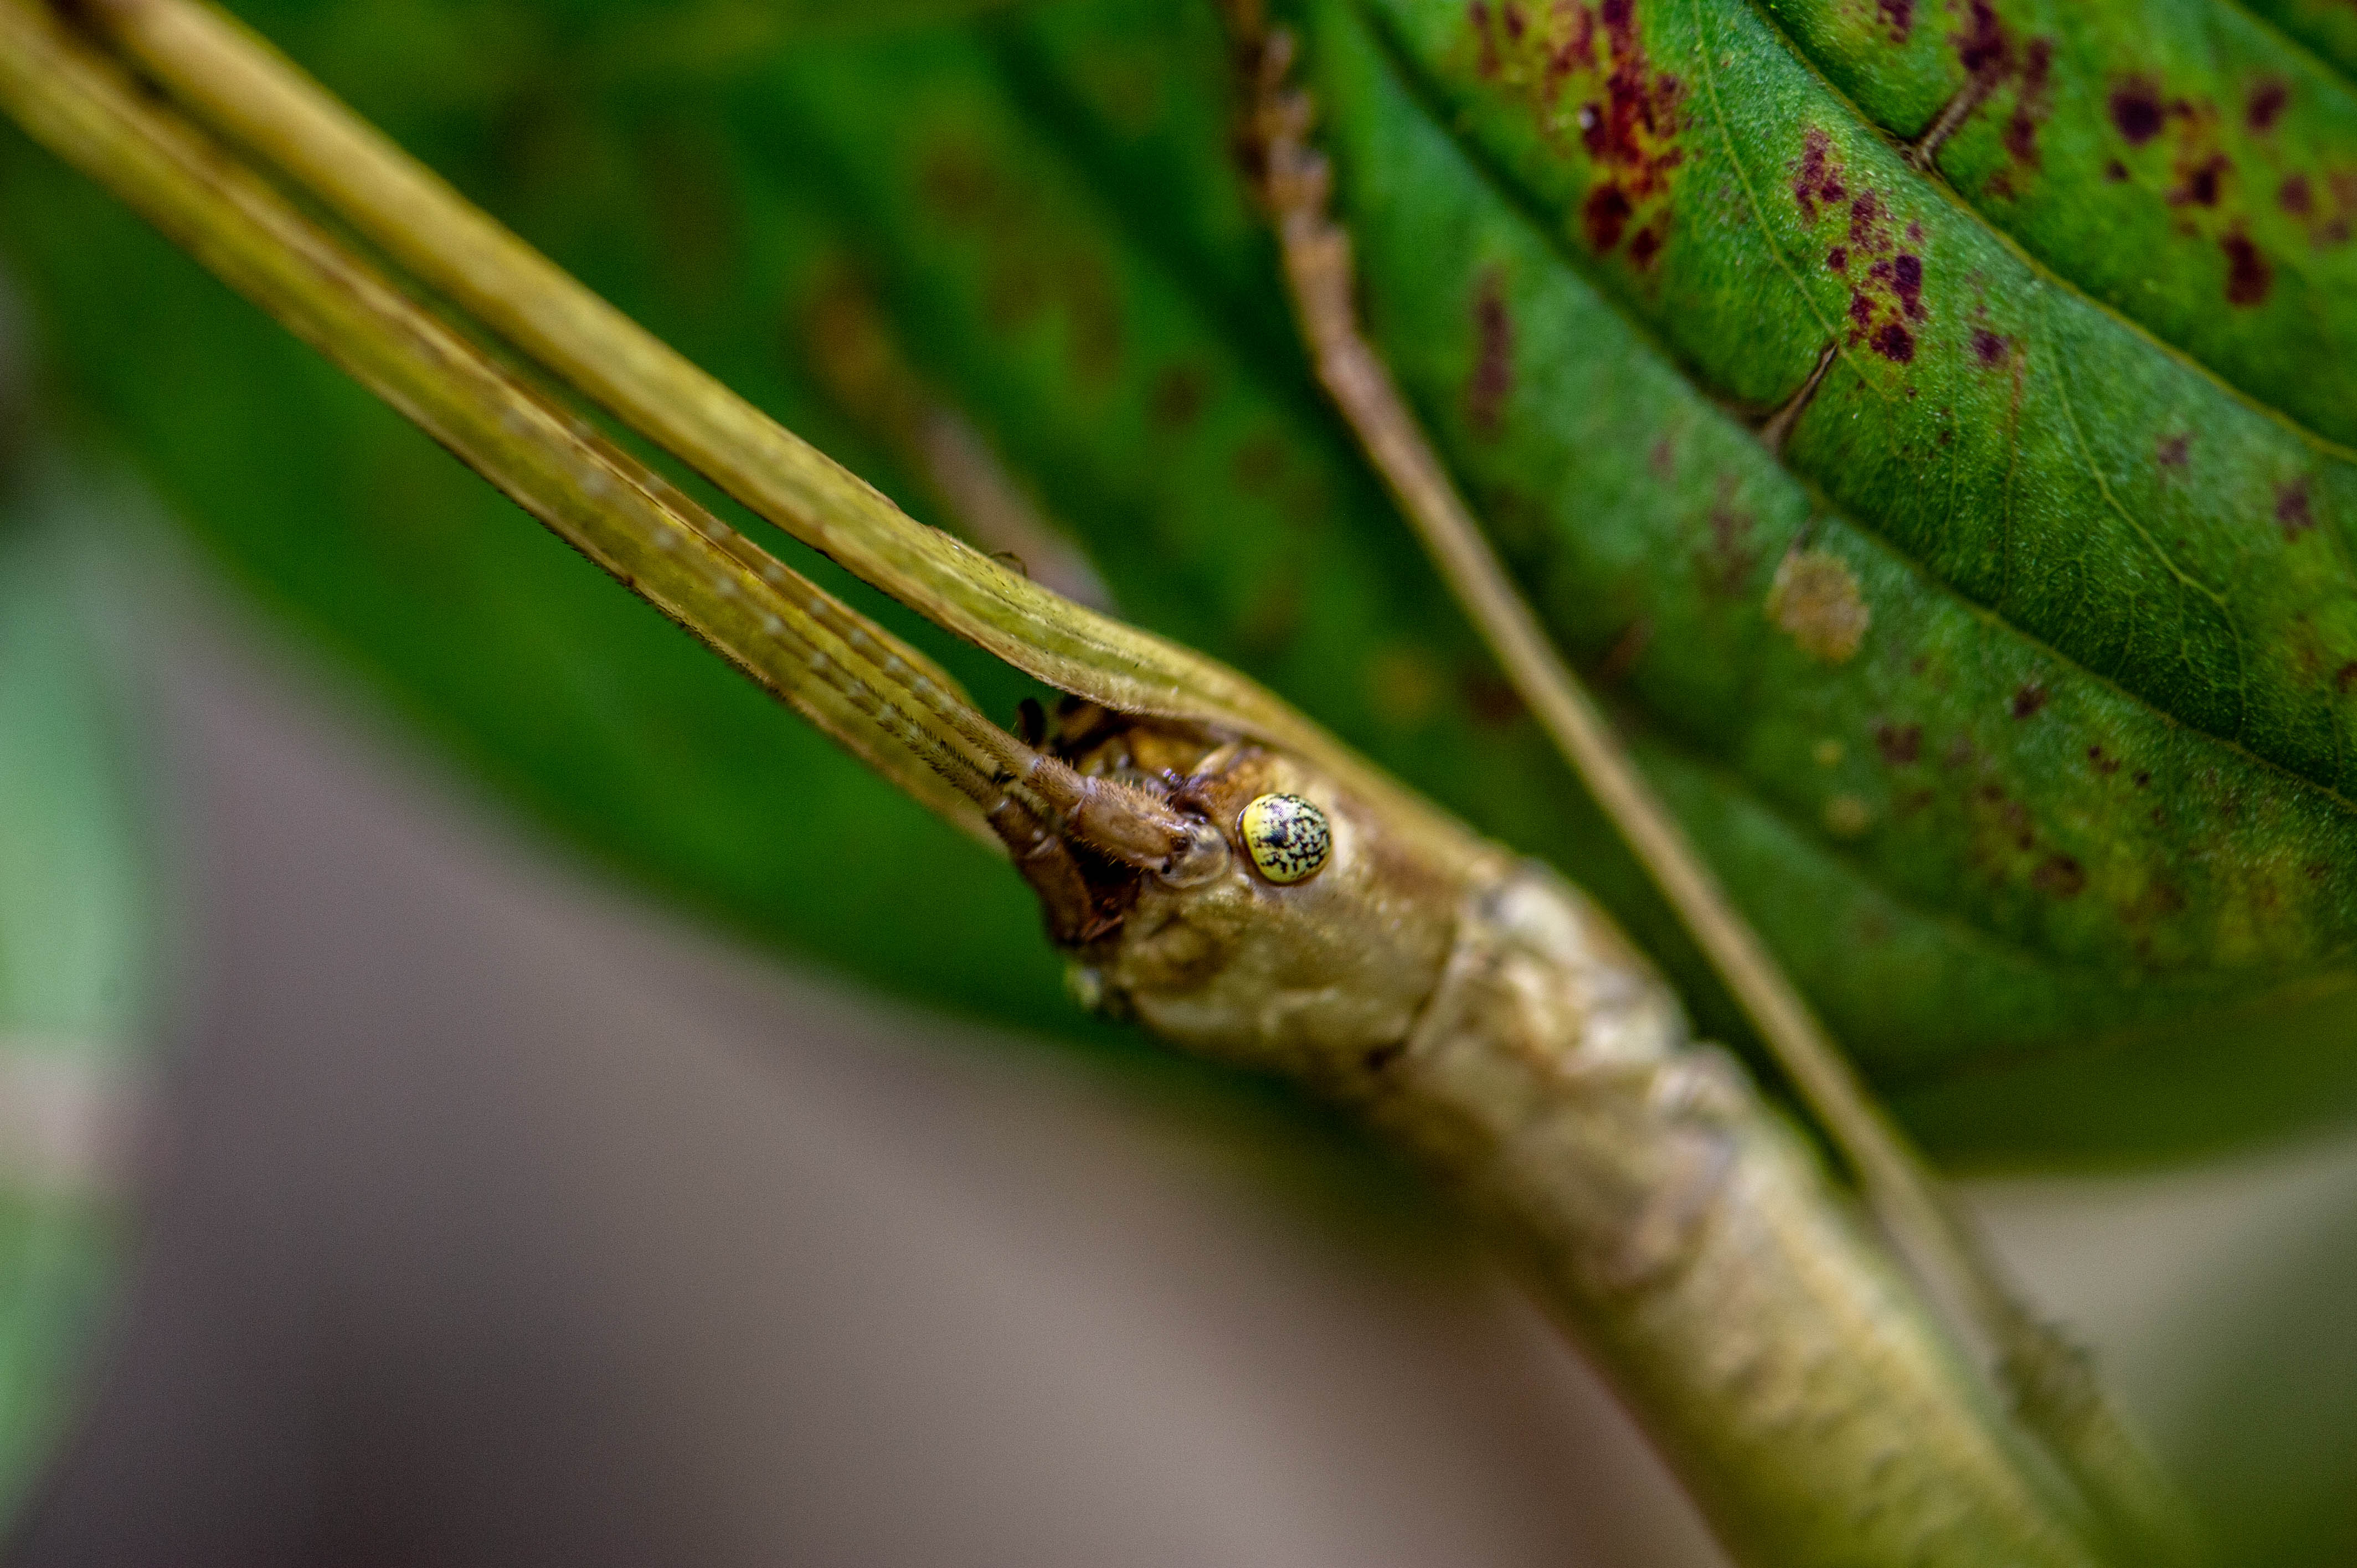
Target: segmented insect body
(1484,1012)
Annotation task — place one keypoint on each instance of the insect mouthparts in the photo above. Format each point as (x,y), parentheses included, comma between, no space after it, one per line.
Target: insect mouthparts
(1203,856)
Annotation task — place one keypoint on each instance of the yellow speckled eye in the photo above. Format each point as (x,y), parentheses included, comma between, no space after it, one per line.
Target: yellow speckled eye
(1287,837)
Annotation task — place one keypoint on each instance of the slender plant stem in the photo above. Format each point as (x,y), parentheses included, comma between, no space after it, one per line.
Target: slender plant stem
(2051,1380)
(239,83)
(883,701)
(888,705)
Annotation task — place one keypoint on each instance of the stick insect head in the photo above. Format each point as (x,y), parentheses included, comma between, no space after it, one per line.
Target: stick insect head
(1307,942)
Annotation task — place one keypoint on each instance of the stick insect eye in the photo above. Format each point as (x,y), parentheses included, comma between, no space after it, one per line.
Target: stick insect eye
(1287,837)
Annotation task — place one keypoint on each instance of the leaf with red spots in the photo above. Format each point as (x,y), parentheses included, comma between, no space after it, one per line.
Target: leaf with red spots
(2091,558)
(2174,160)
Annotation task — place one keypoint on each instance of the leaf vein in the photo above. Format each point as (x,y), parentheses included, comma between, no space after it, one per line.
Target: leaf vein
(2102,488)
(1938,182)
(1759,210)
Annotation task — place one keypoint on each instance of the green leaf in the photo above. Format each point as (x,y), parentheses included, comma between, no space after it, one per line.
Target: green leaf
(555,683)
(2329,27)
(2097,719)
(2063,850)
(2175,160)
(78,966)
(1951,837)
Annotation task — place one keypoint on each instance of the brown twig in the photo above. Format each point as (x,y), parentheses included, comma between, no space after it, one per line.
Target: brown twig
(2049,1379)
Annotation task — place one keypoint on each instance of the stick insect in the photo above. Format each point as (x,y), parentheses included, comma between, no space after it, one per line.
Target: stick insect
(1214,864)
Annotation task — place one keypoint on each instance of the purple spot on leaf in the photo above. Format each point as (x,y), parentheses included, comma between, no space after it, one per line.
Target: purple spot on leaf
(2267,100)
(1907,278)
(2292,513)
(1984,47)
(2201,186)
(2136,110)
(2248,275)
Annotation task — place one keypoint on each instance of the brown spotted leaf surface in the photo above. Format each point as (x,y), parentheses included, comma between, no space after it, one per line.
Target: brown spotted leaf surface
(2007,679)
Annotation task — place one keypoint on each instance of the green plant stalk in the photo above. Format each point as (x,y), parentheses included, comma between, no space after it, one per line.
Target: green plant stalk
(1516,1044)
(240,84)
(885,702)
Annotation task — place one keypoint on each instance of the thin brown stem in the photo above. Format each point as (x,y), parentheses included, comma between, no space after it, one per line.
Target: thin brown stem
(2049,1379)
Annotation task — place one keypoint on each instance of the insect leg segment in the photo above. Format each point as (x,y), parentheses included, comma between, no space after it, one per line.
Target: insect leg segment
(1103,802)
(1120,820)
